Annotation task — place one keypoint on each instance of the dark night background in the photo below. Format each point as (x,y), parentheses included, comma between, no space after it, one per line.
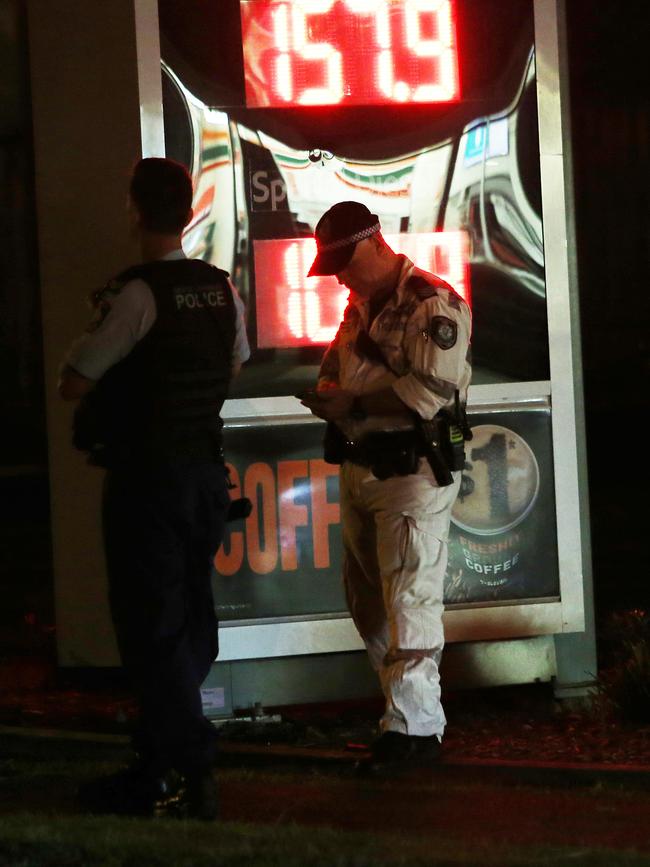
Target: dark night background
(611,130)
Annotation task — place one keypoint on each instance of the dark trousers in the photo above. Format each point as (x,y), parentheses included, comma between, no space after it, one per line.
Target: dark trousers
(163,525)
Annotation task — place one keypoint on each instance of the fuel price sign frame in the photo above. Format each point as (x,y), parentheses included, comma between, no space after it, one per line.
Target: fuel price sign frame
(447,167)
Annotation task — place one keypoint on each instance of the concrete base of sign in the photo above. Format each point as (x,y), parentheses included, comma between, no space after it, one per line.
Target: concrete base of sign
(576,665)
(242,685)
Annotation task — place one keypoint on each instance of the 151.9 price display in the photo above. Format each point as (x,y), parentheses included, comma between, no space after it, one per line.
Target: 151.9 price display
(349,52)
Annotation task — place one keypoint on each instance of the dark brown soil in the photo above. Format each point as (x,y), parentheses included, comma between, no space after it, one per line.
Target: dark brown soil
(521,723)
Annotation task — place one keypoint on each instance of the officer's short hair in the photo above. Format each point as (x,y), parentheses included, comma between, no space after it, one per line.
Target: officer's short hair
(161,190)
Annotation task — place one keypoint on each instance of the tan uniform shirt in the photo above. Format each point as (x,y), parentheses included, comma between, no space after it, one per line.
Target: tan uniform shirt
(423,332)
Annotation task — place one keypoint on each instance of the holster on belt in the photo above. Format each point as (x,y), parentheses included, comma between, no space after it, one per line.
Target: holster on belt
(433,435)
(444,442)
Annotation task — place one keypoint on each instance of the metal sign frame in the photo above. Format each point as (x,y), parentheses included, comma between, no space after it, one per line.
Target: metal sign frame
(83,625)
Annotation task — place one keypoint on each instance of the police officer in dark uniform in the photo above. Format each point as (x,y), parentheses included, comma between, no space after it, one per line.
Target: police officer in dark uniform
(152,372)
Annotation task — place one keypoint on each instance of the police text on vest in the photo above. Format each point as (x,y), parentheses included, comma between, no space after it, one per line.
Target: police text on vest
(194,299)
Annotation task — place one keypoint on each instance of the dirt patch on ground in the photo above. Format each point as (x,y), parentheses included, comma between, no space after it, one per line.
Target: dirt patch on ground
(517,723)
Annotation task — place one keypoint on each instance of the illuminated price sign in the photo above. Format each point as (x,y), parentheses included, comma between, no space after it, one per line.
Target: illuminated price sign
(294,310)
(349,52)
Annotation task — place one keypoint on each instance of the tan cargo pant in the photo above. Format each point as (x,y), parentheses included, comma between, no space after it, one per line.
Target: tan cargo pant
(395,535)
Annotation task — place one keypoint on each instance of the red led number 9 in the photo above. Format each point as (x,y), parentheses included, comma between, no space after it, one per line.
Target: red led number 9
(292,22)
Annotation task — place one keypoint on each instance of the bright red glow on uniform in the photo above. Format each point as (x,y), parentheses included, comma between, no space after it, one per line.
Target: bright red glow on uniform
(294,310)
(349,52)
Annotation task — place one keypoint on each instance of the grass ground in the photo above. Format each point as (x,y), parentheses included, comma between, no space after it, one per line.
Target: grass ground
(33,841)
(291,816)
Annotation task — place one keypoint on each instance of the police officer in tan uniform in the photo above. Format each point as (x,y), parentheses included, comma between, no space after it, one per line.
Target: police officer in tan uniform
(399,365)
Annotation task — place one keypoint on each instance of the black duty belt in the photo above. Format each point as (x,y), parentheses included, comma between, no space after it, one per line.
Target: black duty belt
(392,453)
(373,446)
(386,453)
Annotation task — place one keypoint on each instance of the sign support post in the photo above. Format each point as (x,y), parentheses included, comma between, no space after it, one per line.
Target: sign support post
(575,651)
(95,80)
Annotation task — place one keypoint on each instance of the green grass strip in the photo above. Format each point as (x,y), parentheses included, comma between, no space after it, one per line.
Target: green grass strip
(29,840)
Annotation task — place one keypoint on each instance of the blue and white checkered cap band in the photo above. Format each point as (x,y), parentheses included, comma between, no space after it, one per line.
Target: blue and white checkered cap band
(352,239)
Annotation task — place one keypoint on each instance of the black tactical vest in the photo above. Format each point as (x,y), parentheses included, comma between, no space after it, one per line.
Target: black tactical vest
(163,400)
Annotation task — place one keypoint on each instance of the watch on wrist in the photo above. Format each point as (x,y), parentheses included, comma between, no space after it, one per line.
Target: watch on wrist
(357,412)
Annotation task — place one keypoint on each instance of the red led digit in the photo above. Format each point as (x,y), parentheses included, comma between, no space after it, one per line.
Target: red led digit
(323,52)
(441,48)
(350,52)
(283,70)
(384,63)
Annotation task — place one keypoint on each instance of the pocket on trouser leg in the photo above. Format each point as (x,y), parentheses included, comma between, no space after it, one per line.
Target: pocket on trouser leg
(414,570)
(416,633)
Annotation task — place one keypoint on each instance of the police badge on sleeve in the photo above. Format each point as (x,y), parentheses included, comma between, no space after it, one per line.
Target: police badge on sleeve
(443,331)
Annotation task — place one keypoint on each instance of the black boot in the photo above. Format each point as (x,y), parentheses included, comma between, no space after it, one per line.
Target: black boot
(394,752)
(134,791)
(201,799)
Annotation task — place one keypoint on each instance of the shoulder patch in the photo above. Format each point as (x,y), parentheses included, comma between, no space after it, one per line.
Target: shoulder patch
(100,297)
(443,331)
(422,287)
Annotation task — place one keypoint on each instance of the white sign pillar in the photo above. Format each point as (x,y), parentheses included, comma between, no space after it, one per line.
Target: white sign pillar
(97,108)
(575,652)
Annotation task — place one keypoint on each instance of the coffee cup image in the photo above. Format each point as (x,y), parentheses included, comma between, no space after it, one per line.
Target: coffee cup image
(499,489)
(501,482)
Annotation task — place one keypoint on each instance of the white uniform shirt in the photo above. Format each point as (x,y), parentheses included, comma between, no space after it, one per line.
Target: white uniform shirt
(423,332)
(132,313)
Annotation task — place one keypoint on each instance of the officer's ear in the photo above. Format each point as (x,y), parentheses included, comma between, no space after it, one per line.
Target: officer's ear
(188,219)
(379,243)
